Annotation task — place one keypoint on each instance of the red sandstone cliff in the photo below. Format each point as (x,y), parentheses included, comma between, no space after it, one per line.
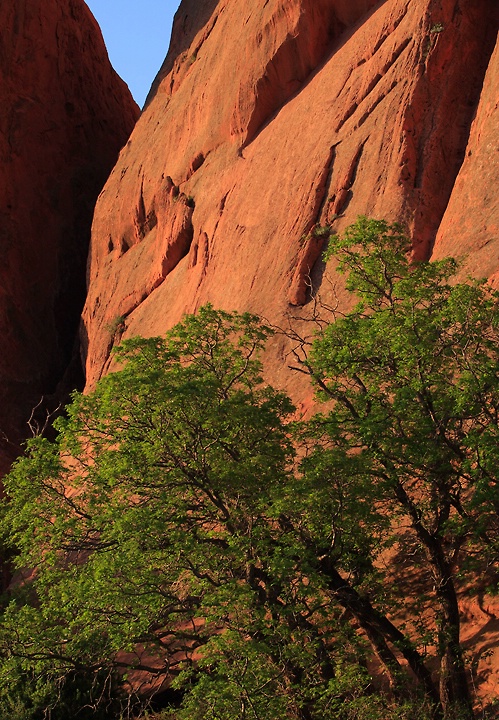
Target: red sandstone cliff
(268,118)
(271,116)
(64,115)
(470,225)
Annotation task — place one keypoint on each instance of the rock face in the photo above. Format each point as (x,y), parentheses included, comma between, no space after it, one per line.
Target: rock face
(275,117)
(470,225)
(64,116)
(268,120)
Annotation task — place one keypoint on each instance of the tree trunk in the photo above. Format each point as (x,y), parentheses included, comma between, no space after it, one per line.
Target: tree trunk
(455,695)
(379,630)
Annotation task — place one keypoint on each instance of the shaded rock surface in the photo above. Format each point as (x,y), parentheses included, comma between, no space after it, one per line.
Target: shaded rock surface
(273,118)
(64,116)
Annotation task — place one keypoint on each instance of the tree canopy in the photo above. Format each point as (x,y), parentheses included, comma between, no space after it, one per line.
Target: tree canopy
(185,531)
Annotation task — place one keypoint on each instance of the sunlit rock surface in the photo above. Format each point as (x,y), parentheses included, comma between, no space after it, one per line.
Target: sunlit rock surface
(271,117)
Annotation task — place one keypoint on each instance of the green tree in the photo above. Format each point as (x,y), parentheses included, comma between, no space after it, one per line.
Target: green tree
(182,529)
(162,528)
(411,375)
(127,518)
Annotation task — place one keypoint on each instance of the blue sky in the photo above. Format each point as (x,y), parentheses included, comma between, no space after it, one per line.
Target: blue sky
(137,35)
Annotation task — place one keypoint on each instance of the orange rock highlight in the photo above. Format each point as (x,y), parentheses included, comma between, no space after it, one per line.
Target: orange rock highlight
(273,117)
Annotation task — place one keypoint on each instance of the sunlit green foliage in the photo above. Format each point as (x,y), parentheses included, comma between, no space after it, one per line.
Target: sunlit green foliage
(183,529)
(413,375)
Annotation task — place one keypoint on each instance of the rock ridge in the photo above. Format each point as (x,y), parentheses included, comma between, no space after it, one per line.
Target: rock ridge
(277,118)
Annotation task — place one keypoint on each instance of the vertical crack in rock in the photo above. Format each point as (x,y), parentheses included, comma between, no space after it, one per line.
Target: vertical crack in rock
(372,107)
(140,214)
(313,238)
(144,220)
(196,162)
(355,105)
(342,194)
(175,244)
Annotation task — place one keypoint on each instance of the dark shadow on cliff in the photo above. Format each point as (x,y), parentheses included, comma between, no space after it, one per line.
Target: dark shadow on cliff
(190,18)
